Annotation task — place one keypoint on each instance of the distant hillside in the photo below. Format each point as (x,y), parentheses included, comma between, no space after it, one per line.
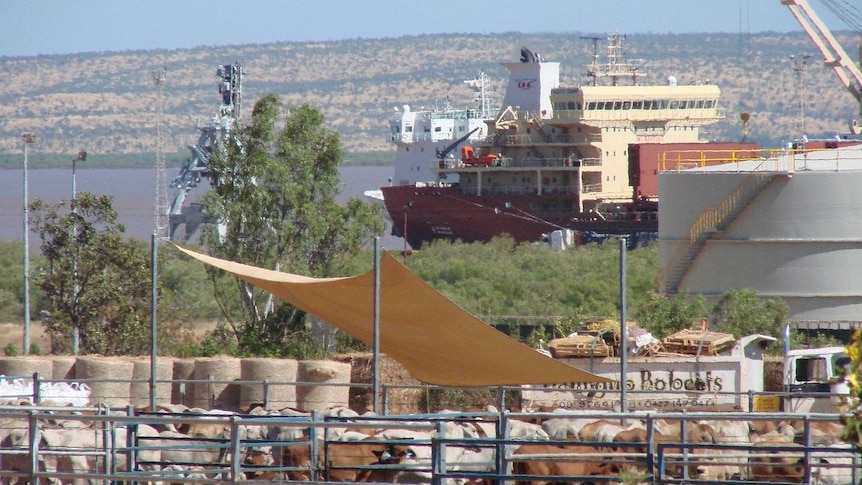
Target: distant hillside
(105,102)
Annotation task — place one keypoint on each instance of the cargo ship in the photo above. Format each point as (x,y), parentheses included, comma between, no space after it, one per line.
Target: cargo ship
(424,136)
(570,164)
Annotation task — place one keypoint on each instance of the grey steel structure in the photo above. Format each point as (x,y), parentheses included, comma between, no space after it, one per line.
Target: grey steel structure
(787,226)
(212,135)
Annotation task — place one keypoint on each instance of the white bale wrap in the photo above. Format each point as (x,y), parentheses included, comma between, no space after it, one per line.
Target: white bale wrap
(140,389)
(112,384)
(315,391)
(274,370)
(220,392)
(183,392)
(64,367)
(26,366)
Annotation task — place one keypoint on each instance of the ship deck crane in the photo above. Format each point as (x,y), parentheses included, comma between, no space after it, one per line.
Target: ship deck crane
(834,55)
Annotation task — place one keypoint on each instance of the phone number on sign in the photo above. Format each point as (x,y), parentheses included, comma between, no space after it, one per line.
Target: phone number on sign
(634,404)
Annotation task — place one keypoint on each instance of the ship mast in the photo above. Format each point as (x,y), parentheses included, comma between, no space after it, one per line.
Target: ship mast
(616,65)
(483,95)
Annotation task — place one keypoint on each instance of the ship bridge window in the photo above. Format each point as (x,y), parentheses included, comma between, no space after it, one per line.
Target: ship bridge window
(438,129)
(664,104)
(571,105)
(699,104)
(591,105)
(627,105)
(683,104)
(709,104)
(408,129)
(675,104)
(618,105)
(690,104)
(637,104)
(609,105)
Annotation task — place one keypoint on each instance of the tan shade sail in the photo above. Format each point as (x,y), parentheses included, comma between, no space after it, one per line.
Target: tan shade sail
(432,337)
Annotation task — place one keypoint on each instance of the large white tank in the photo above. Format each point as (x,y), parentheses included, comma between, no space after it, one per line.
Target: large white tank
(799,238)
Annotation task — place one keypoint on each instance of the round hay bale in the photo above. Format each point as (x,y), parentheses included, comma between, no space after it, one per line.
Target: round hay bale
(140,389)
(182,392)
(318,387)
(64,367)
(277,396)
(222,391)
(26,366)
(111,383)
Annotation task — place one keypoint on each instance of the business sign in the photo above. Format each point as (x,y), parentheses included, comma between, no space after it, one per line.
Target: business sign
(651,383)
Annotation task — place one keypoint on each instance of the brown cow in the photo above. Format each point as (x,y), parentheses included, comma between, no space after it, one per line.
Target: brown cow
(337,461)
(590,461)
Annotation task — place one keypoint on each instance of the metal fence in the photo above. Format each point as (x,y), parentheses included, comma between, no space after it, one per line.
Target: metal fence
(119,445)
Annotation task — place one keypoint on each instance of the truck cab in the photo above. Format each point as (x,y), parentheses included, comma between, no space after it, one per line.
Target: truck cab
(809,372)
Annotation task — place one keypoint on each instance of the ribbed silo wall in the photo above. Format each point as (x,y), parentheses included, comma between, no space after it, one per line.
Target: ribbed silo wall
(799,239)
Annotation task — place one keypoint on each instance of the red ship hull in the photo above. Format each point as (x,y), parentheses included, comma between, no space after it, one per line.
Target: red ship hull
(423,214)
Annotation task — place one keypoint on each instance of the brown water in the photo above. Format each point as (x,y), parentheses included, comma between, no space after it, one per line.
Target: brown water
(133,191)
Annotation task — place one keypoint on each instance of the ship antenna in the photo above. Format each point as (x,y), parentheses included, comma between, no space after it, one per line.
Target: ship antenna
(593,68)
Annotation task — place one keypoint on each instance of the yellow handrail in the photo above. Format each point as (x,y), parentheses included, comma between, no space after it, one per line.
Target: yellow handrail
(712,217)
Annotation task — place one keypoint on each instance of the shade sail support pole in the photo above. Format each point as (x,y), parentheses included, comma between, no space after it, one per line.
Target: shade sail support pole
(624,350)
(376,317)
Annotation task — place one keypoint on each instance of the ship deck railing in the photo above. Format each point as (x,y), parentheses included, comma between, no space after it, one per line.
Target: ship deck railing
(417,137)
(510,162)
(527,139)
(518,190)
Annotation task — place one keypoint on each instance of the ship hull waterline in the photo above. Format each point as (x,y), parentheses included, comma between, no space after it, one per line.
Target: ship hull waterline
(424,214)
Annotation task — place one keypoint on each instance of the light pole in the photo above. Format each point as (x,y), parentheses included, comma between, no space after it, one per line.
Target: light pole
(799,68)
(28,139)
(76,331)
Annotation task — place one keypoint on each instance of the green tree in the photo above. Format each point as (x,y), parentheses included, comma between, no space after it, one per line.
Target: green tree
(851,415)
(741,312)
(275,197)
(94,278)
(663,315)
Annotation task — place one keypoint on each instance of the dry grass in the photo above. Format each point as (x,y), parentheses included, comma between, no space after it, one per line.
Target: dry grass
(13,333)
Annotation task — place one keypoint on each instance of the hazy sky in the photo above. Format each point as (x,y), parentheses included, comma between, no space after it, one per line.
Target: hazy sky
(32,27)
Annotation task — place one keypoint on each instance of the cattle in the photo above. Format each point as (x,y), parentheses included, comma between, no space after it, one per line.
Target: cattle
(76,447)
(564,428)
(833,467)
(584,461)
(412,467)
(777,461)
(821,432)
(729,432)
(336,461)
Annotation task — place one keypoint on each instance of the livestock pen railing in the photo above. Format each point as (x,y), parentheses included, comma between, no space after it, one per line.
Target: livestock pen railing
(120,444)
(399,399)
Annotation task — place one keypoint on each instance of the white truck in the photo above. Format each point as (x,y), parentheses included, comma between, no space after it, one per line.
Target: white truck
(732,380)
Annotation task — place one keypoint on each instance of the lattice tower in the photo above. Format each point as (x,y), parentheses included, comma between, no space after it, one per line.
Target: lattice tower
(160,218)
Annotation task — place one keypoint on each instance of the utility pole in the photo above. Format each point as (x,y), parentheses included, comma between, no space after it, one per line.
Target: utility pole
(76,330)
(28,138)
